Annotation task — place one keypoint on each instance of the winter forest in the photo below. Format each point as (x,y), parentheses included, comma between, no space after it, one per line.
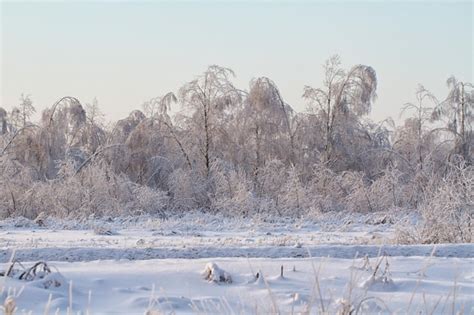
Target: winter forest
(244,152)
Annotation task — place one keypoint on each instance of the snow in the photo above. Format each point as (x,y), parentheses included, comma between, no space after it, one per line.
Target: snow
(155,265)
(129,287)
(213,273)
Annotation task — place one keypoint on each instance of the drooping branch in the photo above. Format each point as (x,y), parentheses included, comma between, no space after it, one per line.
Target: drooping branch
(19,131)
(96,153)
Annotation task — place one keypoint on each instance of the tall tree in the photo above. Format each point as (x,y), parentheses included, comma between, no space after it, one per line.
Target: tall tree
(158,109)
(417,125)
(268,118)
(23,112)
(208,96)
(3,121)
(344,92)
(457,110)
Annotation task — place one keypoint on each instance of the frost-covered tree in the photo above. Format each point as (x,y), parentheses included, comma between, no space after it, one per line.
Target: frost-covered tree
(268,121)
(62,134)
(343,93)
(158,109)
(416,130)
(21,114)
(93,114)
(457,112)
(94,135)
(3,121)
(208,97)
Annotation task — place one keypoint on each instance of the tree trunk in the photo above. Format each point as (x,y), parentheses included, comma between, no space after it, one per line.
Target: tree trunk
(257,162)
(207,144)
(463,130)
(328,131)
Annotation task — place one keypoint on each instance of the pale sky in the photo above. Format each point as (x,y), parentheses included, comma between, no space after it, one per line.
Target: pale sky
(125,53)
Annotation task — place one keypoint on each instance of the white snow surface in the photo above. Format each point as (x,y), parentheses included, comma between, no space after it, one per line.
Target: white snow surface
(132,287)
(147,263)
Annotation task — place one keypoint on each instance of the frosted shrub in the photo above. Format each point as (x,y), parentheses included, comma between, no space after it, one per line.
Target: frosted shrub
(149,200)
(186,190)
(389,190)
(326,190)
(15,183)
(270,182)
(356,187)
(293,195)
(95,190)
(41,199)
(448,212)
(231,190)
(384,193)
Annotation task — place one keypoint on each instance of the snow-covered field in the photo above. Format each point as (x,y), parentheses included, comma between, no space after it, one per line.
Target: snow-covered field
(131,287)
(122,266)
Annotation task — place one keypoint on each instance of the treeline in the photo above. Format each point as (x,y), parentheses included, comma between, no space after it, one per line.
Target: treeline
(246,152)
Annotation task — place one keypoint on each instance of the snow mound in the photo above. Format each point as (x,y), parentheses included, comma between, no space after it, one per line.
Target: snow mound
(377,283)
(213,273)
(379,280)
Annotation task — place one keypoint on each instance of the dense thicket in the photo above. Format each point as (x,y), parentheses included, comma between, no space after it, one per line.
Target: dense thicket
(245,152)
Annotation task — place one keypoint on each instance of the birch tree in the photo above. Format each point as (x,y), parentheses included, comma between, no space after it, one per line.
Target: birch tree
(416,126)
(268,120)
(208,96)
(343,92)
(457,111)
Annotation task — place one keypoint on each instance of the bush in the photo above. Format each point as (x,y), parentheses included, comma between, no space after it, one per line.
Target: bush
(447,212)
